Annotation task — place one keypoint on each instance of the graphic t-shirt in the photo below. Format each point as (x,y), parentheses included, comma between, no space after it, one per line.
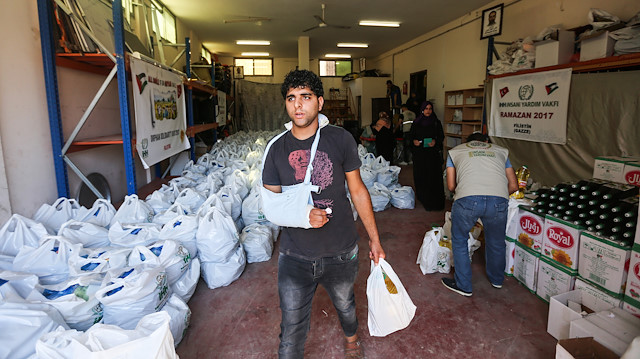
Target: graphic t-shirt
(286,164)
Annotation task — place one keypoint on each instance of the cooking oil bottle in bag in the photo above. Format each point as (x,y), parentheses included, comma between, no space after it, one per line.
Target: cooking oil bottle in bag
(522,174)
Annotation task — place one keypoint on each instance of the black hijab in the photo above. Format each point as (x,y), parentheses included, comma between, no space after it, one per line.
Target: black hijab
(423,120)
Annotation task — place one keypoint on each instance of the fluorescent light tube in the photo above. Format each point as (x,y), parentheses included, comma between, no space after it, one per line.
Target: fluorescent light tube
(342,56)
(379,23)
(352,44)
(253,42)
(255,54)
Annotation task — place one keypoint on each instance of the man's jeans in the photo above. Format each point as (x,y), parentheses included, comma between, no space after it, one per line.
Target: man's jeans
(492,211)
(298,278)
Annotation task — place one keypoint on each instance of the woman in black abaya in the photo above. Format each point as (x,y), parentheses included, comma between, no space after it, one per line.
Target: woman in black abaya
(427,136)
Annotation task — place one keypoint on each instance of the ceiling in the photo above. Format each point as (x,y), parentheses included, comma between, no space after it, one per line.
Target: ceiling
(206,18)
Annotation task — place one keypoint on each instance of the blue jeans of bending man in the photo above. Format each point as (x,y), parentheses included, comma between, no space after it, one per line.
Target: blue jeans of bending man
(298,279)
(492,210)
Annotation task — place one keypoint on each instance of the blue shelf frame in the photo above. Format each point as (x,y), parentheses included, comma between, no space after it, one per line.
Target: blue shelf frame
(45,16)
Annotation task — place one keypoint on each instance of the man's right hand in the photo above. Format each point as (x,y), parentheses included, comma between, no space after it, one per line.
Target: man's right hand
(318,217)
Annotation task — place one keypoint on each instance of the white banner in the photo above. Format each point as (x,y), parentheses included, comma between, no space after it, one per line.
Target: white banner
(531,107)
(160,112)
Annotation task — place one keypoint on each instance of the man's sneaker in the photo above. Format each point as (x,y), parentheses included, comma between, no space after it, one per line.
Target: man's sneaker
(496,286)
(451,284)
(402,163)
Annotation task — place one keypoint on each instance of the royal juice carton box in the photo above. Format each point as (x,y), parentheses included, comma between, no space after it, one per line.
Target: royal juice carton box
(553,279)
(529,228)
(632,290)
(509,253)
(604,262)
(561,241)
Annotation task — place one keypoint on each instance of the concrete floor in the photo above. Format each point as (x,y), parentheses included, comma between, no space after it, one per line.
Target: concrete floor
(243,319)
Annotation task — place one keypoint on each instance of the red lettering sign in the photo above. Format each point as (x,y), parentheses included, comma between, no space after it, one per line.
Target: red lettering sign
(530,225)
(633,177)
(560,237)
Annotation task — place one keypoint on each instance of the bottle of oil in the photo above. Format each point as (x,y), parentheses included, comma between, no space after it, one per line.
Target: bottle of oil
(522,174)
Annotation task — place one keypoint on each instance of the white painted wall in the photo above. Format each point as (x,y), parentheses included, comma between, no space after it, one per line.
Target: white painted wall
(455,57)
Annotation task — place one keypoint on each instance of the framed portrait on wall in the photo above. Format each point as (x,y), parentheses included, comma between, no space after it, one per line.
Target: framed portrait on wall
(238,72)
(491,22)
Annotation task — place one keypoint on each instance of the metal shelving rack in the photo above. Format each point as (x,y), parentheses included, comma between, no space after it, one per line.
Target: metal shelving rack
(109,65)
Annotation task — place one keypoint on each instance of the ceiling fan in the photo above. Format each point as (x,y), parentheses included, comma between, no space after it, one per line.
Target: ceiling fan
(322,23)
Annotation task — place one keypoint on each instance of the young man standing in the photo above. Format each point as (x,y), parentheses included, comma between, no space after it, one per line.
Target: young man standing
(327,253)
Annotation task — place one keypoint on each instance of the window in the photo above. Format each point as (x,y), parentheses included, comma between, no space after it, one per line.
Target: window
(206,54)
(127,10)
(166,21)
(335,67)
(255,67)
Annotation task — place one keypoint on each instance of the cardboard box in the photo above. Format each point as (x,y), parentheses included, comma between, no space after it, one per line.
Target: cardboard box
(632,306)
(596,46)
(604,262)
(451,100)
(459,100)
(609,168)
(555,51)
(561,241)
(580,348)
(632,289)
(525,266)
(595,298)
(553,279)
(510,256)
(530,228)
(631,174)
(563,308)
(615,328)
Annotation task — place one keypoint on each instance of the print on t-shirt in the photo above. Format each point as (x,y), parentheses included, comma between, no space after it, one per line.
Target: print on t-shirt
(321,176)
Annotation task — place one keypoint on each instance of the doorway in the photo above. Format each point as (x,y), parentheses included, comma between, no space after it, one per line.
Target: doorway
(418,85)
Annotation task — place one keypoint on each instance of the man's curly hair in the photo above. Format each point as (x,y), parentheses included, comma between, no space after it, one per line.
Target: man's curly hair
(302,78)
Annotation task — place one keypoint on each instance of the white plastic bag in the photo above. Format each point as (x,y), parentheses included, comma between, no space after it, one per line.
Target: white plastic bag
(434,257)
(216,237)
(186,285)
(48,261)
(151,339)
(368,176)
(221,274)
(20,231)
(169,254)
(88,234)
(390,308)
(133,210)
(257,243)
(388,176)
(252,208)
(170,214)
(180,317)
(131,235)
(101,213)
(182,229)
(403,197)
(53,216)
(380,197)
(18,283)
(159,201)
(128,294)
(190,199)
(98,260)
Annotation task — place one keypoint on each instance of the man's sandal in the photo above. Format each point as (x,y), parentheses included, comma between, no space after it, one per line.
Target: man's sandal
(353,350)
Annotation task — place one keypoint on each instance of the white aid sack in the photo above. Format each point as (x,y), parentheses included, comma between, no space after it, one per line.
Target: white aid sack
(186,285)
(20,231)
(89,235)
(131,235)
(257,242)
(252,209)
(434,257)
(221,274)
(22,324)
(217,237)
(16,283)
(237,181)
(379,164)
(133,210)
(368,159)
(182,183)
(213,201)
(75,300)
(388,176)
(380,197)
(180,317)
(182,229)
(49,261)
(159,201)
(231,200)
(150,339)
(100,214)
(128,294)
(62,210)
(196,177)
(98,260)
(403,198)
(190,199)
(390,308)
(368,176)
(170,214)
(171,255)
